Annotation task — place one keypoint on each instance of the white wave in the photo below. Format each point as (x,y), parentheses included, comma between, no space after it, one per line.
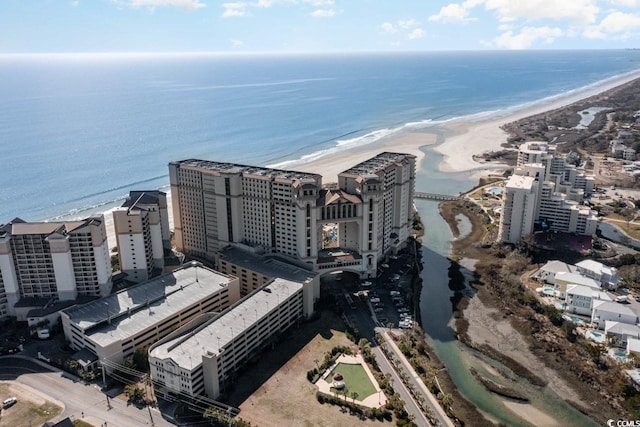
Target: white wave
(248,85)
(380,134)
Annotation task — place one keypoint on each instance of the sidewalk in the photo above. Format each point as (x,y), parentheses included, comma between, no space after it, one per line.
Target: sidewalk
(435,405)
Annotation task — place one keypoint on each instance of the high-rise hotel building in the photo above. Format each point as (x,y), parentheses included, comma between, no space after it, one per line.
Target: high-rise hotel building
(545,193)
(142,231)
(277,211)
(53,260)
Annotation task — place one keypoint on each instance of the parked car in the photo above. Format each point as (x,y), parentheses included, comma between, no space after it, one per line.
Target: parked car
(7,403)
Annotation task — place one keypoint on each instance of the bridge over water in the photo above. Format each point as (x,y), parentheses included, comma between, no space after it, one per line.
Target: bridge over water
(434,196)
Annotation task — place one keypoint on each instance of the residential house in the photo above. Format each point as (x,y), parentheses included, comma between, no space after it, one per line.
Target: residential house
(607,276)
(606,310)
(547,273)
(563,280)
(579,299)
(619,333)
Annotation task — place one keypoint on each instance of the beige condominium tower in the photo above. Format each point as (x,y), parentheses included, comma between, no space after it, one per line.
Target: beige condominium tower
(368,212)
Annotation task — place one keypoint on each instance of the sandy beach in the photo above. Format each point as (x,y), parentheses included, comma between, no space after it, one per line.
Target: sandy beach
(462,139)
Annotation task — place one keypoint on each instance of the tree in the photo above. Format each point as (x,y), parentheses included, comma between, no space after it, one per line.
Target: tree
(140,359)
(134,392)
(446,399)
(354,396)
(72,365)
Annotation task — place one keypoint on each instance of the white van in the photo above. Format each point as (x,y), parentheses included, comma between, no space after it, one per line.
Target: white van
(9,402)
(621,299)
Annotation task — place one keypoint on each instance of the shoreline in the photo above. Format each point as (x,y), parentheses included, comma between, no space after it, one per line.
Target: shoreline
(458,141)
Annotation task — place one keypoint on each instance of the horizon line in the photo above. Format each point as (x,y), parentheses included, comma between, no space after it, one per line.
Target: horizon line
(273,53)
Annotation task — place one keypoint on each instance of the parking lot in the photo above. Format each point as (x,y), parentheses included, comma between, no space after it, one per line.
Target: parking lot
(388,296)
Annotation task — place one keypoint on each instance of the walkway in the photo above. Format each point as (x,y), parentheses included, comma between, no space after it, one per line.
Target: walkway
(434,196)
(376,400)
(438,411)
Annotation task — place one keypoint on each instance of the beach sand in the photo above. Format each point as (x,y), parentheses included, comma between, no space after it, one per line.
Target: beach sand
(458,141)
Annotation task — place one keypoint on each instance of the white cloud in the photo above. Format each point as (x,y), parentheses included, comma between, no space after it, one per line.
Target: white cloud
(527,37)
(388,27)
(615,24)
(323,13)
(74,3)
(408,24)
(450,13)
(626,3)
(455,12)
(418,33)
(237,44)
(406,28)
(180,4)
(320,3)
(269,3)
(577,11)
(234,9)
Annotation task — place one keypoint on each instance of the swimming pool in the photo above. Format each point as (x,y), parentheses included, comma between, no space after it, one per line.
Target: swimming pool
(616,353)
(574,319)
(596,336)
(549,291)
(496,191)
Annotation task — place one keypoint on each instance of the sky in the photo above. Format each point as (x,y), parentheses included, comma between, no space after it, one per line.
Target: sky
(67,26)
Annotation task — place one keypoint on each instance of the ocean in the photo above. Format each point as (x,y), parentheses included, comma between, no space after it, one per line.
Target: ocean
(79,132)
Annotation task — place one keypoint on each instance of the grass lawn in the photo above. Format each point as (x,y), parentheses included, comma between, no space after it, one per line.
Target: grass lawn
(30,410)
(631,228)
(274,391)
(355,379)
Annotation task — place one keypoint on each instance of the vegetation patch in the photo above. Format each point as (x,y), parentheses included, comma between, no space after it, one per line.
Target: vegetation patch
(499,389)
(356,380)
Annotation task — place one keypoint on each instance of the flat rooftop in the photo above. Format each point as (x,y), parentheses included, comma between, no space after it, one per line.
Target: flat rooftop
(211,337)
(267,265)
(134,309)
(520,182)
(377,163)
(244,169)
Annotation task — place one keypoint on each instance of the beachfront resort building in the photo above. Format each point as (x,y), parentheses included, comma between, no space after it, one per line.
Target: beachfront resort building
(113,327)
(45,262)
(545,193)
(286,212)
(201,360)
(255,270)
(142,232)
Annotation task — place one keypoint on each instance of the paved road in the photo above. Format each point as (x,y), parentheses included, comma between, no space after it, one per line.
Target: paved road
(78,399)
(431,400)
(363,321)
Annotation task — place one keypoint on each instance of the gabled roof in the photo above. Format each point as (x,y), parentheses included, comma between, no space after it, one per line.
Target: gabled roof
(614,307)
(577,279)
(558,267)
(328,197)
(620,328)
(591,265)
(584,291)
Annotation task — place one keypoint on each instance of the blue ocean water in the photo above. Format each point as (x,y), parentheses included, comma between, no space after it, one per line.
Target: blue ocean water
(77,133)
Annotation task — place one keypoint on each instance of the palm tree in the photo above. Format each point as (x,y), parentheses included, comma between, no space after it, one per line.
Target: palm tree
(446,399)
(354,396)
